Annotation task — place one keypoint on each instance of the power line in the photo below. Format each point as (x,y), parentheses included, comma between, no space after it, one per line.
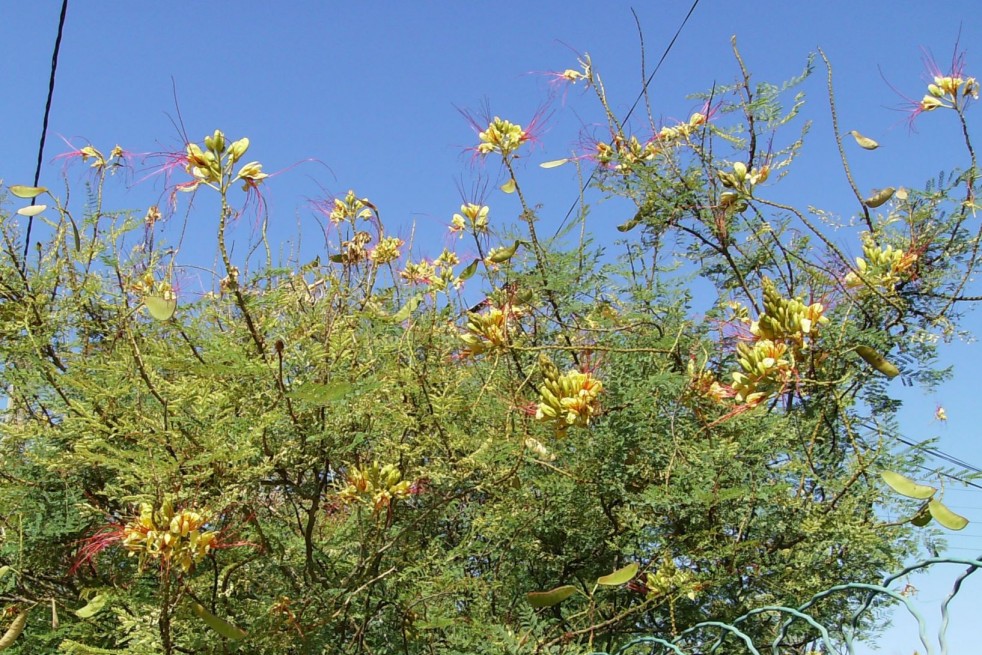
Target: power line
(630,111)
(44,124)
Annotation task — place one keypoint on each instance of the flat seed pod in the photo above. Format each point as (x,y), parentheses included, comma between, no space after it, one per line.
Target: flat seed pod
(620,576)
(631,224)
(27,191)
(945,516)
(877,361)
(907,487)
(506,254)
(33,210)
(219,625)
(922,518)
(407,310)
(879,197)
(864,141)
(93,607)
(161,308)
(468,272)
(549,598)
(17,627)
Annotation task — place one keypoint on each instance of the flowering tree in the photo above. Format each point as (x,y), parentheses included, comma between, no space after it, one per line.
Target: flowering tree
(352,456)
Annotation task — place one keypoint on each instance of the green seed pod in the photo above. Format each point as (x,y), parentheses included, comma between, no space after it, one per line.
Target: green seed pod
(879,197)
(14,630)
(877,361)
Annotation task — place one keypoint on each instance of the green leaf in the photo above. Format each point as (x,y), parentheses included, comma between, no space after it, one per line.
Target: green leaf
(4,570)
(554,163)
(509,186)
(549,598)
(321,394)
(93,607)
(907,487)
(620,576)
(27,191)
(159,307)
(945,516)
(468,272)
(438,623)
(221,626)
(407,310)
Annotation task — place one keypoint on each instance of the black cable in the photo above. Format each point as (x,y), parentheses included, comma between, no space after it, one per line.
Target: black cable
(630,111)
(44,124)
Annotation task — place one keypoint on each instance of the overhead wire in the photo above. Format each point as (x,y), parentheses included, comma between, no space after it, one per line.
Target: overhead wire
(630,111)
(44,124)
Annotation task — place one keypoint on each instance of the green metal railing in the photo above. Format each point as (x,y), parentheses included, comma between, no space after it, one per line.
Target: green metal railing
(709,637)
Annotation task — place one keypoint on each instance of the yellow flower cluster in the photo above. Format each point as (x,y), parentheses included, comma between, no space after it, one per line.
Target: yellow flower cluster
(99,161)
(627,152)
(882,267)
(765,369)
(567,399)
(501,136)
(387,250)
(208,165)
(471,216)
(682,130)
(375,485)
(703,383)
(168,536)
(741,181)
(782,333)
(350,209)
(438,275)
(485,332)
(787,318)
(948,91)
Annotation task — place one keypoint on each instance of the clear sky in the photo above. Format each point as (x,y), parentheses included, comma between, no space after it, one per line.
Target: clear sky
(366,96)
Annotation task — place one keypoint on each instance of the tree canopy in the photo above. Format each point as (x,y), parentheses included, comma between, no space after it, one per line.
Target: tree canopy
(550,446)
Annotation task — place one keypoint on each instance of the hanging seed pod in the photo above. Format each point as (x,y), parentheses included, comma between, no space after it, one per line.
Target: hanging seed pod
(502,255)
(864,141)
(879,197)
(907,487)
(945,516)
(17,627)
(922,518)
(877,361)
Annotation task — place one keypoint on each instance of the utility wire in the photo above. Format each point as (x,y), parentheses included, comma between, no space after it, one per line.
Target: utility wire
(44,124)
(630,111)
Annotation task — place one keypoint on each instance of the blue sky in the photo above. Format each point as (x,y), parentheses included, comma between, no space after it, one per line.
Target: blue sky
(366,96)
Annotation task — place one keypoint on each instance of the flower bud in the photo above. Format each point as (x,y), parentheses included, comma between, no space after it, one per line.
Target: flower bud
(216,142)
(237,149)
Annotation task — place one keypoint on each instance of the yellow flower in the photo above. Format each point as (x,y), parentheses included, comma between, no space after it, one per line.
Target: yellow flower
(475,215)
(387,250)
(501,136)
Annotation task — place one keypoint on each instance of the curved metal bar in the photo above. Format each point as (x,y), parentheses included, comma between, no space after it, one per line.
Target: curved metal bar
(788,615)
(955,588)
